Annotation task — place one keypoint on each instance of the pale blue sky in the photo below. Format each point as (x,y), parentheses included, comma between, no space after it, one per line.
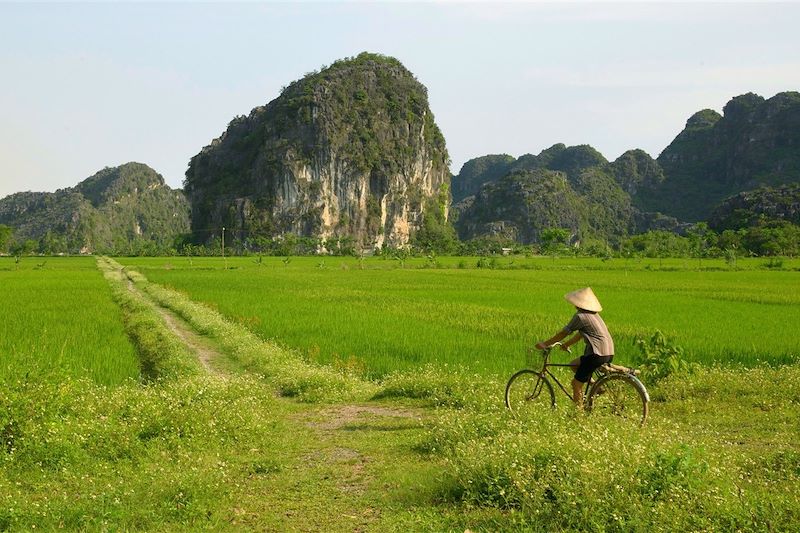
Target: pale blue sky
(83,86)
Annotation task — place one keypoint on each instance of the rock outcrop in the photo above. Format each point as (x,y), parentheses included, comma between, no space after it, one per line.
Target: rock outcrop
(521,205)
(756,142)
(759,207)
(475,172)
(637,173)
(577,179)
(350,152)
(121,209)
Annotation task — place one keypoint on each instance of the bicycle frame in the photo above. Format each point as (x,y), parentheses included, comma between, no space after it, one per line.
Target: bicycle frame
(545,371)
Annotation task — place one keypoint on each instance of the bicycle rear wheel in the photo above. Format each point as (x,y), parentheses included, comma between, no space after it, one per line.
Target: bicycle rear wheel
(527,391)
(621,396)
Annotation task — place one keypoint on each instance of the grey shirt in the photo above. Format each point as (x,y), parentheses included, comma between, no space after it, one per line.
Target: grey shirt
(594,332)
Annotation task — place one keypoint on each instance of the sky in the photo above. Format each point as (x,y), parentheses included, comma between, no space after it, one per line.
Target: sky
(86,86)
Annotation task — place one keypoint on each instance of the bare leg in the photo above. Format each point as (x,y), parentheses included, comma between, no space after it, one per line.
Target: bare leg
(577,393)
(577,386)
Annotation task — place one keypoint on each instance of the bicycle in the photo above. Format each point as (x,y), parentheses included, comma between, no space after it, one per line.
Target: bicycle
(615,390)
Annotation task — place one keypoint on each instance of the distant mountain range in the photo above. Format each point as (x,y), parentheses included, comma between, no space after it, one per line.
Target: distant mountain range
(124,209)
(352,154)
(755,144)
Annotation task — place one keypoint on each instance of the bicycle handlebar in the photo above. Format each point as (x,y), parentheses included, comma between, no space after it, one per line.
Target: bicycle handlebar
(548,349)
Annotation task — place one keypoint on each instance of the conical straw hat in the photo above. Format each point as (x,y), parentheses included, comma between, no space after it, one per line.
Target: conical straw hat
(584,299)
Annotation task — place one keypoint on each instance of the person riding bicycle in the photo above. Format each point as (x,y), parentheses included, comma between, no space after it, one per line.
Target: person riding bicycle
(587,324)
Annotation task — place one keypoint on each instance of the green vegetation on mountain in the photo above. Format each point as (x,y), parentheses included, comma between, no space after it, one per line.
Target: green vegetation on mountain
(521,205)
(590,202)
(755,143)
(637,173)
(763,206)
(125,209)
(609,209)
(569,159)
(349,159)
(347,152)
(478,171)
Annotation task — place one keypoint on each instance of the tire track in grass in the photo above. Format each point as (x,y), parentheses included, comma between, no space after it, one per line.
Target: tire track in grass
(198,344)
(202,348)
(162,355)
(206,354)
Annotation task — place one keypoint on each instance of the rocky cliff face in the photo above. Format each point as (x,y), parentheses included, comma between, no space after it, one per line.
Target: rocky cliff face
(350,152)
(582,186)
(521,205)
(759,207)
(756,142)
(117,209)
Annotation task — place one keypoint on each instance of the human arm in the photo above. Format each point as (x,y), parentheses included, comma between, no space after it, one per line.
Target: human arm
(575,338)
(552,340)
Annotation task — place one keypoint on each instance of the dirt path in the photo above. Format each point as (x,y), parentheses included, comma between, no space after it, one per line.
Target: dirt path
(200,345)
(197,343)
(350,459)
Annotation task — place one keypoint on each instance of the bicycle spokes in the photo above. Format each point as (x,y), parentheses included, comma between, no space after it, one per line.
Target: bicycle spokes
(524,392)
(622,397)
(537,389)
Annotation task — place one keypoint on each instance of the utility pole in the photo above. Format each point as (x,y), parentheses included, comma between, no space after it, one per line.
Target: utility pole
(223,248)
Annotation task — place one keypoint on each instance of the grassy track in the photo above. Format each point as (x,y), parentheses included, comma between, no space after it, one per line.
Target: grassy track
(161,354)
(373,314)
(58,318)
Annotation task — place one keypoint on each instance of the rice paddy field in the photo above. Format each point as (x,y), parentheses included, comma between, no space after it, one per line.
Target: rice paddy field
(58,318)
(346,394)
(385,315)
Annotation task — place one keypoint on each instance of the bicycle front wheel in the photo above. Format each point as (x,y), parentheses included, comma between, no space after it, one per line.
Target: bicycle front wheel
(527,391)
(621,396)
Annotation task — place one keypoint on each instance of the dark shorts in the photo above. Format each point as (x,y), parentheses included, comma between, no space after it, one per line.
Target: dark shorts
(588,365)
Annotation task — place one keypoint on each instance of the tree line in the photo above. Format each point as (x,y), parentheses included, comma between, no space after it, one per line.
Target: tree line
(777,238)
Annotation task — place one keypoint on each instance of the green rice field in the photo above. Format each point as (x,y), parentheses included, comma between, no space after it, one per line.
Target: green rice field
(59,319)
(223,430)
(386,315)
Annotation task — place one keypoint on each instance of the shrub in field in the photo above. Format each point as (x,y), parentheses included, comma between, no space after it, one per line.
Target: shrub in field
(658,358)
(441,385)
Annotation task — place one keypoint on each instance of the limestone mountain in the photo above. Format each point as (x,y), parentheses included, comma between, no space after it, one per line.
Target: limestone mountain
(569,159)
(763,206)
(117,209)
(351,151)
(755,143)
(586,181)
(475,172)
(520,205)
(638,174)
